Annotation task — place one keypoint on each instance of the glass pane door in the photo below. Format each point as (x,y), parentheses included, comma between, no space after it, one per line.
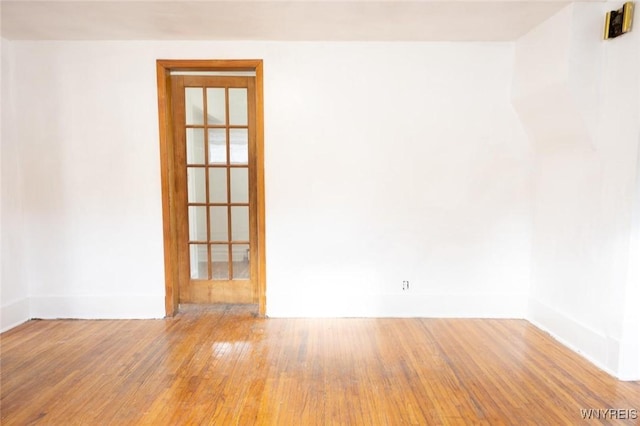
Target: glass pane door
(218,173)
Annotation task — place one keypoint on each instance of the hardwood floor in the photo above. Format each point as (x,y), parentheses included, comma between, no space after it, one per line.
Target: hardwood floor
(224,366)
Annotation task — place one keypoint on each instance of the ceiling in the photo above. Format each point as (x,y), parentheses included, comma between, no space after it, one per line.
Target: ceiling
(301,20)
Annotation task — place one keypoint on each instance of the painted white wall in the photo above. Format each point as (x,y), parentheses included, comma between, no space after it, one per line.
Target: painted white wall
(579,103)
(2,85)
(384,162)
(620,133)
(408,164)
(632,319)
(90,184)
(14,302)
(2,88)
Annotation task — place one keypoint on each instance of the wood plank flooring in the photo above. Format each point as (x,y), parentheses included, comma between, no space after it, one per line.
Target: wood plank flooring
(223,366)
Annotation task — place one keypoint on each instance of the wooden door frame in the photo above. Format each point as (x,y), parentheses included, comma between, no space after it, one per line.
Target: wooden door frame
(168,170)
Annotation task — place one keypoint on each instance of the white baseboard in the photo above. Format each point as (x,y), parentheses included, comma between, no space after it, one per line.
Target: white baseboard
(600,350)
(125,306)
(404,305)
(14,314)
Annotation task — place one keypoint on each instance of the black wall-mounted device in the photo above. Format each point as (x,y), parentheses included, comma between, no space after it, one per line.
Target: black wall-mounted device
(618,22)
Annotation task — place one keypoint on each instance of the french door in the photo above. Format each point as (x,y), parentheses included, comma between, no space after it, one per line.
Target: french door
(214,131)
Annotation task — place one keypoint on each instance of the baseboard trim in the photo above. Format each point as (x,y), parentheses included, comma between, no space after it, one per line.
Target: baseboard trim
(14,314)
(600,350)
(404,305)
(125,306)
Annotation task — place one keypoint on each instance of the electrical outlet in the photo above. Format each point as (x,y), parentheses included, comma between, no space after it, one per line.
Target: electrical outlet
(405,285)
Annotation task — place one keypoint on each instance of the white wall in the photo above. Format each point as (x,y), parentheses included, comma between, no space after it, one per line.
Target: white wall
(91,201)
(578,98)
(14,302)
(621,124)
(2,86)
(384,162)
(408,164)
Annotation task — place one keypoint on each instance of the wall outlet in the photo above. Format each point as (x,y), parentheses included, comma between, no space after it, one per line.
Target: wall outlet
(405,285)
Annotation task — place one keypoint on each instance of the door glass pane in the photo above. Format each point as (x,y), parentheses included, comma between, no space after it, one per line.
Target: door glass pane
(196,187)
(198,261)
(240,185)
(219,224)
(197,223)
(240,223)
(240,258)
(239,146)
(220,261)
(195,146)
(217,146)
(193,105)
(238,107)
(217,185)
(216,109)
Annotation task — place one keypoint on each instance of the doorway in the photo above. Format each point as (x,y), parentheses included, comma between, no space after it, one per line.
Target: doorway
(211,140)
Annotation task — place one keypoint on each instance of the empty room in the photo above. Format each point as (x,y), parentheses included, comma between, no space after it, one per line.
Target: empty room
(319,212)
